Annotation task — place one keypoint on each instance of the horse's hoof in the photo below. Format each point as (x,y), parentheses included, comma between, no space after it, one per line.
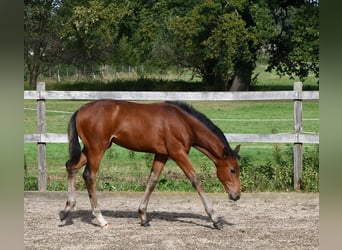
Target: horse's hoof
(63,215)
(145,224)
(218,225)
(106,226)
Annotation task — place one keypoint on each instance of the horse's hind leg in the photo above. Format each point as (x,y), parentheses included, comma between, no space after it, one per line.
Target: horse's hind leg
(72,170)
(158,164)
(89,176)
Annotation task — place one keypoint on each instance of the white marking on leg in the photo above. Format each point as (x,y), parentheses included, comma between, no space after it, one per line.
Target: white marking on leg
(208,207)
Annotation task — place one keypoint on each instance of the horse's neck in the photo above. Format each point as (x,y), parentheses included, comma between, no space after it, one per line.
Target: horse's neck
(208,143)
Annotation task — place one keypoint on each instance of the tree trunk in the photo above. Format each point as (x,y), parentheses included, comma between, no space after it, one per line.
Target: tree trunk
(239,84)
(34,72)
(241,80)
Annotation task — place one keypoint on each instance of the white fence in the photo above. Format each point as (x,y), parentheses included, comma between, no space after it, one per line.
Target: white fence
(296,95)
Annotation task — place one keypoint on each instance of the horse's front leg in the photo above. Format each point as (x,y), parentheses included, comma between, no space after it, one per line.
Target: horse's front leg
(158,164)
(184,163)
(207,205)
(72,170)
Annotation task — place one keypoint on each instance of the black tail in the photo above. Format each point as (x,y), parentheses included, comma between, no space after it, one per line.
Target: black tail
(74,144)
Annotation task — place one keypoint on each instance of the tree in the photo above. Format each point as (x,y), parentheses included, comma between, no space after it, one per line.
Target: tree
(261,25)
(218,39)
(295,50)
(90,33)
(41,45)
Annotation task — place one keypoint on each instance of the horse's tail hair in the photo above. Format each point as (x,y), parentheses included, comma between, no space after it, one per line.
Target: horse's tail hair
(74,144)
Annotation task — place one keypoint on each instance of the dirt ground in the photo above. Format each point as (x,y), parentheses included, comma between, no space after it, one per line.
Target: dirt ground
(178,221)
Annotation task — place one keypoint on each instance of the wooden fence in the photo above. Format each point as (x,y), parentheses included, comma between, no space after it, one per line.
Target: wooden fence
(296,95)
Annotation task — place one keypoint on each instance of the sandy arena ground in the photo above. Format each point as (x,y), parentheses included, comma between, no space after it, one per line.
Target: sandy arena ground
(178,221)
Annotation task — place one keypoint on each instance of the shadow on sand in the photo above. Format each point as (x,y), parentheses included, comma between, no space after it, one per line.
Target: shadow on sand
(189,218)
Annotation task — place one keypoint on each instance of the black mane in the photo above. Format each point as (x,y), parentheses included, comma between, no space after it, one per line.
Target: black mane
(207,122)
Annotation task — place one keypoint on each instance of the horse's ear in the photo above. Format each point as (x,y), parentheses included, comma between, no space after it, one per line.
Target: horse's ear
(237,149)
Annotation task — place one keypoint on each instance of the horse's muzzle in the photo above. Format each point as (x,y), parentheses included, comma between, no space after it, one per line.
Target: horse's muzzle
(234,197)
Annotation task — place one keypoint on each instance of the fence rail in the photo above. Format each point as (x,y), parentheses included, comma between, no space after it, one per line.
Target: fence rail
(297,137)
(173,95)
(266,138)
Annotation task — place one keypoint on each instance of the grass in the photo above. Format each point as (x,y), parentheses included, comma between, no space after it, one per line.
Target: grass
(271,81)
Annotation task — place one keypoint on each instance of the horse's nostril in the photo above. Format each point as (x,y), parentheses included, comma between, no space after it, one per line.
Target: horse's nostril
(234,198)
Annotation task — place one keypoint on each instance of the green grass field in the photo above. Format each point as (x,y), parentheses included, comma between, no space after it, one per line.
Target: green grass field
(124,170)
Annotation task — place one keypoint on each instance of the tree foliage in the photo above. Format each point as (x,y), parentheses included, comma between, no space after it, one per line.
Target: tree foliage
(41,45)
(211,38)
(90,33)
(218,39)
(295,50)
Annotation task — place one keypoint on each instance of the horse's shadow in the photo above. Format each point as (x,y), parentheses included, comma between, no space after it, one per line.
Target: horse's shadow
(188,218)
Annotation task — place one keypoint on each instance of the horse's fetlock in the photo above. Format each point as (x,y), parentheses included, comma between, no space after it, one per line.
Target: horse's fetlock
(141,211)
(218,225)
(145,224)
(71,204)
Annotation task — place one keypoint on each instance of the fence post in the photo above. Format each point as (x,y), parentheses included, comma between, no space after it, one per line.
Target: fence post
(297,147)
(41,127)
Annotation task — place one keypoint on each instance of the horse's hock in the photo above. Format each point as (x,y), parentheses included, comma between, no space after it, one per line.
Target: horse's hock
(178,220)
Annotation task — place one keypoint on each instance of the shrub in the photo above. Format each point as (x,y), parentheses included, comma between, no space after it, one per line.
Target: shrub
(311,169)
(30,183)
(277,173)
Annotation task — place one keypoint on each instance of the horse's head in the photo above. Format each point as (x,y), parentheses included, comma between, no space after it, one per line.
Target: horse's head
(228,172)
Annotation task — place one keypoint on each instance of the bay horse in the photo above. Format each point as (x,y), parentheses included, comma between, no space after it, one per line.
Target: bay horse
(167,129)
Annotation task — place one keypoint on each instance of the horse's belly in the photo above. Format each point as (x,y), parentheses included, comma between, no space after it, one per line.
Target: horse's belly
(140,142)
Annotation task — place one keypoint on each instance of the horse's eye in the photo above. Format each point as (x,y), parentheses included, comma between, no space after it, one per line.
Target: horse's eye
(232,170)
